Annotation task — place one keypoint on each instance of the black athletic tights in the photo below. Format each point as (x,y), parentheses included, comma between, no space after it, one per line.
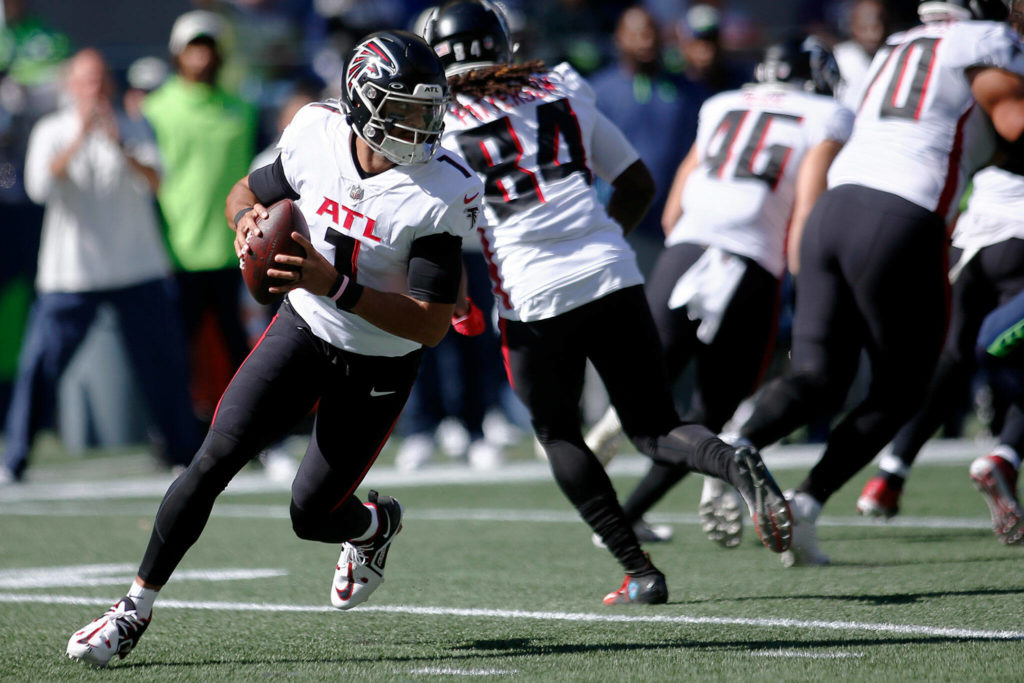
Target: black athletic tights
(289,371)
(873,276)
(546,363)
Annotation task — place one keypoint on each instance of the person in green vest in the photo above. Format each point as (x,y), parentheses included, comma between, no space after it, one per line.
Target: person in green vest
(206,137)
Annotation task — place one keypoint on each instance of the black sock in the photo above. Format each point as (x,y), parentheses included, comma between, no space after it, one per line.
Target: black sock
(606,518)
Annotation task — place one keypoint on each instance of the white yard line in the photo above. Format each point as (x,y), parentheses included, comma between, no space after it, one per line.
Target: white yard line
(53,488)
(222,509)
(450,671)
(577,617)
(796,654)
(115,575)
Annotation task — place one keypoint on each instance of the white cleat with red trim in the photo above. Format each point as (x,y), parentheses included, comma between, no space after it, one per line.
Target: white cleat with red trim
(117,632)
(360,568)
(996,480)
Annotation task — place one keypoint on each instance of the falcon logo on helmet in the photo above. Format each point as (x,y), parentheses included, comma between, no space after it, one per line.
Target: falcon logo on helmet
(371,59)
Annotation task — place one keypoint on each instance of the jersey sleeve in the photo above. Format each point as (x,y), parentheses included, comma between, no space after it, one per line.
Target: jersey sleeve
(464,212)
(611,152)
(577,85)
(838,125)
(304,131)
(987,44)
(708,116)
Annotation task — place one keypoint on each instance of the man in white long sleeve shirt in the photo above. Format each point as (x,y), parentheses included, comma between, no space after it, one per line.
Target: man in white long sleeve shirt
(100,245)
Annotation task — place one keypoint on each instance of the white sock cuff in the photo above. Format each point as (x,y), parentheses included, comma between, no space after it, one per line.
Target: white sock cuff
(893,464)
(1008,454)
(374,525)
(142,597)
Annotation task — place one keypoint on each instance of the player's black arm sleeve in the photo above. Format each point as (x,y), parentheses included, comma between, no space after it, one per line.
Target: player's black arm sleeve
(435,268)
(269,184)
(632,194)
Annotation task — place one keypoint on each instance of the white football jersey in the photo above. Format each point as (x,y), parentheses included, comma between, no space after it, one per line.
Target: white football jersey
(995,212)
(550,243)
(750,143)
(919,133)
(368,222)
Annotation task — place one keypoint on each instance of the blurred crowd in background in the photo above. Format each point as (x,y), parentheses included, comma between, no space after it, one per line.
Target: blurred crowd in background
(279,54)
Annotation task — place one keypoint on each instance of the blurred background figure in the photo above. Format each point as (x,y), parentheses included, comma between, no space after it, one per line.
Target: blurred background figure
(144,75)
(207,138)
(100,246)
(574,31)
(654,108)
(705,59)
(31,51)
(868,27)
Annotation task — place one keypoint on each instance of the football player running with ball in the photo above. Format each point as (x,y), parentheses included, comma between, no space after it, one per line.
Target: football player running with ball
(566,282)
(387,210)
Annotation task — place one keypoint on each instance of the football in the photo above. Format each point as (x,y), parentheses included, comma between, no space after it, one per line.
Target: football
(277,229)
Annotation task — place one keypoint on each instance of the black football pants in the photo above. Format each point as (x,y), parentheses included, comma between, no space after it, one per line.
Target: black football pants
(872,276)
(546,362)
(358,400)
(728,369)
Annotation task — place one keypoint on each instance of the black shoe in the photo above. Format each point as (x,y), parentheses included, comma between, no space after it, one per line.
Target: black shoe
(642,588)
(768,507)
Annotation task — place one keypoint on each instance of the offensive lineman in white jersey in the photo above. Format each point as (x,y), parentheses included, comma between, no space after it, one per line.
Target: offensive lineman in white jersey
(386,212)
(873,253)
(566,282)
(989,272)
(753,174)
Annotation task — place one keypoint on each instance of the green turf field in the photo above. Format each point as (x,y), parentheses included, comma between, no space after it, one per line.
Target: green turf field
(500,580)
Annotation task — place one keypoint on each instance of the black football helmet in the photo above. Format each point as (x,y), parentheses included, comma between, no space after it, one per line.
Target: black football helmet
(991,10)
(806,62)
(395,94)
(468,34)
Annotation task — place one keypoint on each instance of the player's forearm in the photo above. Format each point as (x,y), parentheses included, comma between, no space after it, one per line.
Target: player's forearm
(150,174)
(405,316)
(811,183)
(240,197)
(60,163)
(631,197)
(673,210)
